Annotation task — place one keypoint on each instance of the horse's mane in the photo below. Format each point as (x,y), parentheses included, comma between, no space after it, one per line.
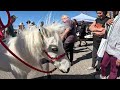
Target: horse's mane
(32,41)
(57,27)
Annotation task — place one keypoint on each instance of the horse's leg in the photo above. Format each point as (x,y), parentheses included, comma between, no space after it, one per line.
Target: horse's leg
(18,73)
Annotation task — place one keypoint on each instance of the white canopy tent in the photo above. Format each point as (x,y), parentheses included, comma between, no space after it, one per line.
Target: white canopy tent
(84,17)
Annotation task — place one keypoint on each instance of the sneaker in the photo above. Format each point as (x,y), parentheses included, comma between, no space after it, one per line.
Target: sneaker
(107,76)
(100,77)
(90,68)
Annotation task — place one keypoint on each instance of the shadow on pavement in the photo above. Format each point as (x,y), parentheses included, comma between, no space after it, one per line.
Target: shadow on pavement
(81,50)
(56,76)
(84,57)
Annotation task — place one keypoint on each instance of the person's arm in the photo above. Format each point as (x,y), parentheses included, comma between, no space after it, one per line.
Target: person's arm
(95,29)
(64,34)
(109,22)
(100,33)
(67,29)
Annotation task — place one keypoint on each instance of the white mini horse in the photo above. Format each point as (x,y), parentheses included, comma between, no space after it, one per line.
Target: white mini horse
(30,46)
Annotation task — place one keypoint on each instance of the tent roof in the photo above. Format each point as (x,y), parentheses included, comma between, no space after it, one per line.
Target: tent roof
(84,17)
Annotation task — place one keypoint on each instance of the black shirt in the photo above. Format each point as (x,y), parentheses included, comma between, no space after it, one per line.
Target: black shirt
(83,29)
(102,21)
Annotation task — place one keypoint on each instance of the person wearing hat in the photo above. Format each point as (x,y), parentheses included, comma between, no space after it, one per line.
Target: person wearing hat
(21,27)
(29,24)
(41,24)
(10,29)
(33,23)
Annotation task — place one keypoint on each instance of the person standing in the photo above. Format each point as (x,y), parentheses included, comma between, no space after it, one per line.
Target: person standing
(28,24)
(10,29)
(82,33)
(98,30)
(112,52)
(41,24)
(75,23)
(68,36)
(21,27)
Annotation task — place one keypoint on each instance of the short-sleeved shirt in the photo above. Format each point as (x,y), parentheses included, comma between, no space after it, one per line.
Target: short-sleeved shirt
(70,38)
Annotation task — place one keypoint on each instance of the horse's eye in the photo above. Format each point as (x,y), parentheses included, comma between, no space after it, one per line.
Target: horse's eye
(54,49)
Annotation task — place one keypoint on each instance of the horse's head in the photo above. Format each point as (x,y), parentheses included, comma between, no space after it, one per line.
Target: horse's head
(54,50)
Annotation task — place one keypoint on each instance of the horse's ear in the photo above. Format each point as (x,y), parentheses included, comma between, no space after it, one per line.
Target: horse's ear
(48,41)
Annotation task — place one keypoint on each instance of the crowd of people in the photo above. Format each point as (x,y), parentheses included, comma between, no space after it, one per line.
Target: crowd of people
(111,55)
(98,29)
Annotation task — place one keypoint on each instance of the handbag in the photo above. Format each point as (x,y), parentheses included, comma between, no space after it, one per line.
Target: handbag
(102,48)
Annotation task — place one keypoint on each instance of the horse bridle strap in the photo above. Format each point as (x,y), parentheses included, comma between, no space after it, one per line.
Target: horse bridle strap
(2,26)
(56,58)
(22,61)
(30,66)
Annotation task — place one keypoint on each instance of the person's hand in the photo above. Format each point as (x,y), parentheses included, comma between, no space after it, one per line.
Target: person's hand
(98,29)
(109,22)
(101,29)
(100,33)
(118,62)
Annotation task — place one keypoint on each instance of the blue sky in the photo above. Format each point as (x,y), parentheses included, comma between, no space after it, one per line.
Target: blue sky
(38,16)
